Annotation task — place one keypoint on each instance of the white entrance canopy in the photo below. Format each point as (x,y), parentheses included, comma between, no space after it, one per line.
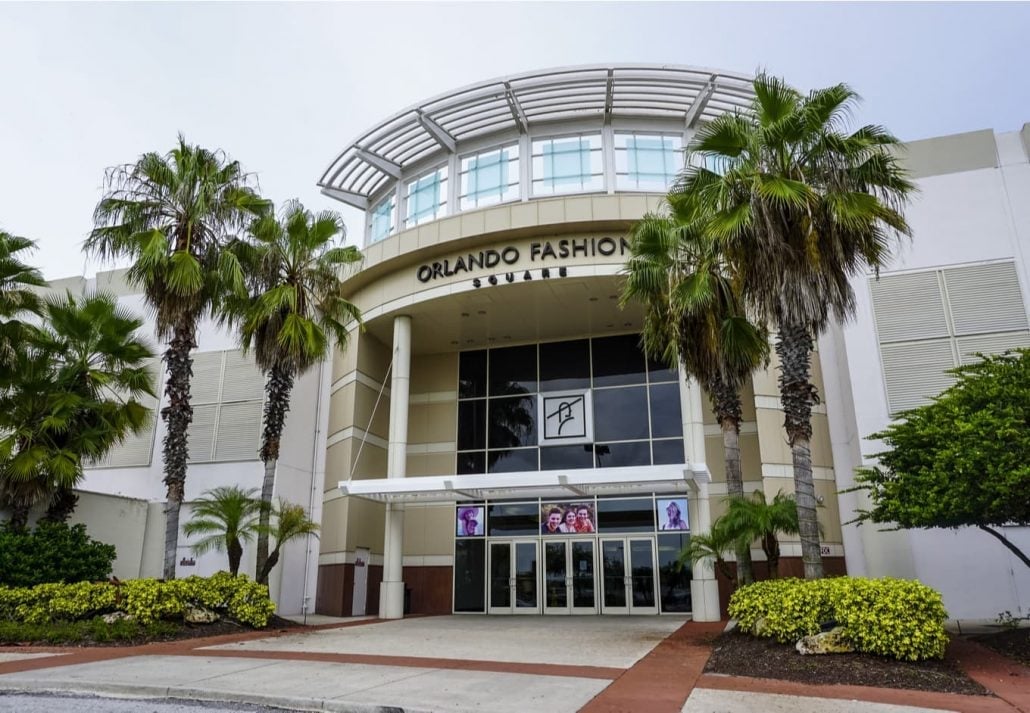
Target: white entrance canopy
(666,479)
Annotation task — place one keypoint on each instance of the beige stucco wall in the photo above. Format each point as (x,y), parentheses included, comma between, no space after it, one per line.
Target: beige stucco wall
(121,522)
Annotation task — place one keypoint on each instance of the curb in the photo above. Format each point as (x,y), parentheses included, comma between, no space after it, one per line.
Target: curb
(183,693)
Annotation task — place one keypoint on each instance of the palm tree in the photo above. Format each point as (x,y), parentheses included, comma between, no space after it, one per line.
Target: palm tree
(294,315)
(81,376)
(799,207)
(16,295)
(754,518)
(713,544)
(291,522)
(173,216)
(225,517)
(694,314)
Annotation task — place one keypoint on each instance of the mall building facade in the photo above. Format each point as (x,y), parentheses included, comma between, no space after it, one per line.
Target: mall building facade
(494,441)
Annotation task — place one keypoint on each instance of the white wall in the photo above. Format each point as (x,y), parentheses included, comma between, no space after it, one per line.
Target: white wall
(958,218)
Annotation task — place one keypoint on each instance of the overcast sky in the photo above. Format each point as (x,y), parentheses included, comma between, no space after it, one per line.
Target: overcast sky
(283,87)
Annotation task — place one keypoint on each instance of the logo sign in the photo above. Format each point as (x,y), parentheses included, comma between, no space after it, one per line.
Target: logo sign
(567,417)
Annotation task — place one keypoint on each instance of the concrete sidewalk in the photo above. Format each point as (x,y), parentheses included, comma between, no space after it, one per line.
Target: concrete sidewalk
(455,664)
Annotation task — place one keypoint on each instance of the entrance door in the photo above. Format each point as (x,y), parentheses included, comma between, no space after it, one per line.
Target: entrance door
(628,576)
(514,577)
(569,568)
(361,556)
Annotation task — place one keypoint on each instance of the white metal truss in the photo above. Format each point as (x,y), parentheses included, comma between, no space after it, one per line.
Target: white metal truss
(692,95)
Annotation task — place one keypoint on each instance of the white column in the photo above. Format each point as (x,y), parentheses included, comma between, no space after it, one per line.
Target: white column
(704,589)
(391,593)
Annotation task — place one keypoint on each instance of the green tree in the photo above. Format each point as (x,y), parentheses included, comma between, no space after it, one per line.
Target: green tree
(798,206)
(291,522)
(17,298)
(694,314)
(754,518)
(173,217)
(962,460)
(713,545)
(81,376)
(292,318)
(225,517)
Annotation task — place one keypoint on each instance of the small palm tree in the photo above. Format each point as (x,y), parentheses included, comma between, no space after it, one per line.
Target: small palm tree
(799,207)
(712,545)
(754,518)
(16,295)
(225,517)
(173,216)
(291,522)
(293,317)
(81,376)
(694,314)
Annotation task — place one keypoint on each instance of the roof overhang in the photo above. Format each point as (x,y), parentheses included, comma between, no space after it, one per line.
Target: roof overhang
(547,484)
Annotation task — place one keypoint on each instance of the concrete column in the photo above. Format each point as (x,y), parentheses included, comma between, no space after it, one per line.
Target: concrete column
(391,594)
(704,589)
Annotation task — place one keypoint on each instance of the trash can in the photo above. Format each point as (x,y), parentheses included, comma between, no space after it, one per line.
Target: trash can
(407,600)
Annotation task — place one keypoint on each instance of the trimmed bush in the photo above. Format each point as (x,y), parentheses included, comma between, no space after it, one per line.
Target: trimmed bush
(52,552)
(148,600)
(900,618)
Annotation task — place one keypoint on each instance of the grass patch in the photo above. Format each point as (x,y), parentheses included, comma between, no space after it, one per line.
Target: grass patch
(94,631)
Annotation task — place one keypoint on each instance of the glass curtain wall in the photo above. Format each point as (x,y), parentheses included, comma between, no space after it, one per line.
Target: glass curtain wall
(489,177)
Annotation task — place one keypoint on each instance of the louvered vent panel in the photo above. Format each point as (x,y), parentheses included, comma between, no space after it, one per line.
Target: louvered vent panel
(915,372)
(136,450)
(908,307)
(985,298)
(991,344)
(243,380)
(239,431)
(207,375)
(202,433)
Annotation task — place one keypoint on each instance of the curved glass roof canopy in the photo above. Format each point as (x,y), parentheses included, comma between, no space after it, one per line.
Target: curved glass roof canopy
(519,103)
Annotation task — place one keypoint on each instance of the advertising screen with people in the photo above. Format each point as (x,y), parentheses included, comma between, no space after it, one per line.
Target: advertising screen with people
(567,519)
(672,514)
(471,521)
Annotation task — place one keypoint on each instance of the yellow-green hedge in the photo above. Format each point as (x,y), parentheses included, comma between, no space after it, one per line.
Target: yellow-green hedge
(147,600)
(900,618)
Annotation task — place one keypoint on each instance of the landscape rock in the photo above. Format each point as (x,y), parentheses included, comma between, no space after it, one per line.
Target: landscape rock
(826,642)
(117,616)
(199,615)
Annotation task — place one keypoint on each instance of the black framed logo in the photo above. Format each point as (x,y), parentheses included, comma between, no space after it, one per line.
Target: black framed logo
(567,417)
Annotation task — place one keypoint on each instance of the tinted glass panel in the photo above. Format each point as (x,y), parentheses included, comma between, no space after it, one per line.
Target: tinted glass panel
(673,580)
(613,563)
(614,455)
(666,418)
(618,361)
(469,463)
(513,519)
(657,371)
(512,461)
(500,574)
(513,370)
(472,374)
(668,452)
(471,424)
(469,575)
(625,516)
(620,414)
(512,422)
(567,457)
(565,365)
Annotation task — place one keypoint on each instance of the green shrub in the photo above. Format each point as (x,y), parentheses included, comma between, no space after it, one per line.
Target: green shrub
(903,619)
(79,632)
(52,552)
(147,600)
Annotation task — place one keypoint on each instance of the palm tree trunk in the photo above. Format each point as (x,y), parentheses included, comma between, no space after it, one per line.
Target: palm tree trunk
(794,347)
(729,413)
(278,387)
(19,517)
(270,563)
(235,551)
(771,547)
(62,505)
(178,415)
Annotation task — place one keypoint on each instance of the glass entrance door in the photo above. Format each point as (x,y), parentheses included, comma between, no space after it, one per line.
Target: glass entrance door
(514,577)
(569,569)
(628,576)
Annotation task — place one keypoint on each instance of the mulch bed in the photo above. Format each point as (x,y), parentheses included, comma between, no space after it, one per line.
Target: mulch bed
(1013,643)
(739,654)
